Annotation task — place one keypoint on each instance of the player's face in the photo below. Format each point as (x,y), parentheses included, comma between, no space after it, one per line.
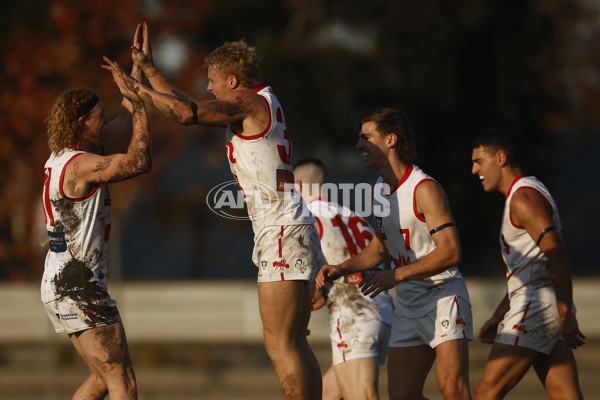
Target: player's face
(217,83)
(372,144)
(95,122)
(486,167)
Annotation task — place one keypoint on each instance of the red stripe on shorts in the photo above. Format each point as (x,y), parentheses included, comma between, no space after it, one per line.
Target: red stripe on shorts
(280,246)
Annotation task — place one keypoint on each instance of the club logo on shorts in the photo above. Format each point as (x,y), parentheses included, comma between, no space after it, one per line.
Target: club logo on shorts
(445,324)
(300,265)
(263,264)
(281,265)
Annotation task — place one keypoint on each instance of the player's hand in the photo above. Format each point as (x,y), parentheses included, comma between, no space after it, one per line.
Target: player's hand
(377,282)
(571,332)
(126,84)
(141,51)
(327,273)
(488,331)
(318,300)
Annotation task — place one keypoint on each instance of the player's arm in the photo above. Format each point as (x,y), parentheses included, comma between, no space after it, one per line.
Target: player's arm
(117,133)
(177,105)
(371,256)
(88,169)
(489,330)
(530,210)
(432,204)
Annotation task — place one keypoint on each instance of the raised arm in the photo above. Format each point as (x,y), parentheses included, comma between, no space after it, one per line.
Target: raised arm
(90,169)
(243,107)
(117,133)
(530,209)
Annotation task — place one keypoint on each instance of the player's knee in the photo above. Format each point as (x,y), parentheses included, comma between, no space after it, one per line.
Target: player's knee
(485,391)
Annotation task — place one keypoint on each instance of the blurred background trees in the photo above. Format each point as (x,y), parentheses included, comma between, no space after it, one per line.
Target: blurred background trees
(454,67)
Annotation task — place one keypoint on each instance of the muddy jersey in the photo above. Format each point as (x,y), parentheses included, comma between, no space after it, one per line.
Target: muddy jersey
(78,231)
(408,240)
(262,166)
(343,235)
(527,272)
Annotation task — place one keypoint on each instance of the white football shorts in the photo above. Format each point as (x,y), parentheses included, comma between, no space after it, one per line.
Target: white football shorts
(81,310)
(450,320)
(288,252)
(531,324)
(352,338)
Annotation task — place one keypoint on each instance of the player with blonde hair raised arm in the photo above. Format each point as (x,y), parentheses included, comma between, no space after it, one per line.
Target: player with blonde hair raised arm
(258,147)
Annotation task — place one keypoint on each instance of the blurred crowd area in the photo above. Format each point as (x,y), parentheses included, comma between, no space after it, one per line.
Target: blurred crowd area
(455,67)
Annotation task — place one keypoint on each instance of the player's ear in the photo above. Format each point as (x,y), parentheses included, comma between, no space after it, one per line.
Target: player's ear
(501,158)
(233,81)
(392,139)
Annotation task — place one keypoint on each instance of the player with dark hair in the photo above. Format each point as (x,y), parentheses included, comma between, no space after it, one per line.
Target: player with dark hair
(535,322)
(416,229)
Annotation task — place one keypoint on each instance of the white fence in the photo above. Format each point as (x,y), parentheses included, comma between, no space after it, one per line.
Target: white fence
(225,311)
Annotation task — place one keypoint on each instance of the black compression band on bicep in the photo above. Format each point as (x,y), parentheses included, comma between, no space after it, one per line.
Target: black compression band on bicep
(441,227)
(194,108)
(548,229)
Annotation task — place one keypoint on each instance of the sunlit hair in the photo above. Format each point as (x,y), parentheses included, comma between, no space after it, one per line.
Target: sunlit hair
(62,121)
(236,58)
(391,120)
(499,139)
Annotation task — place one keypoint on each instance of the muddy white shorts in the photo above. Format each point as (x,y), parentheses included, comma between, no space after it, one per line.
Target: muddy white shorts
(288,252)
(451,320)
(81,310)
(531,324)
(354,338)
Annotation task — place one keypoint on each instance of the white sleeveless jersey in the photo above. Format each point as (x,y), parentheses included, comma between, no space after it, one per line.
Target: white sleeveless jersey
(527,272)
(78,231)
(343,235)
(262,166)
(407,240)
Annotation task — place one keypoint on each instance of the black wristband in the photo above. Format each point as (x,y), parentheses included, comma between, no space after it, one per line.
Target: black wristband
(548,229)
(194,108)
(441,227)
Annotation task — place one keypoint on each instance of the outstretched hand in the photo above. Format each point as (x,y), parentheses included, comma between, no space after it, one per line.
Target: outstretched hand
(141,51)
(377,282)
(126,84)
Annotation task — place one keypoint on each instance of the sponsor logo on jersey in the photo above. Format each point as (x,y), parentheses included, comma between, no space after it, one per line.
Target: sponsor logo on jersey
(58,243)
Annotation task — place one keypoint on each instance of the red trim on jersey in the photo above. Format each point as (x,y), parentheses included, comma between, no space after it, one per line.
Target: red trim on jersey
(415,199)
(405,175)
(517,178)
(543,197)
(319,199)
(263,133)
(260,87)
(62,178)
